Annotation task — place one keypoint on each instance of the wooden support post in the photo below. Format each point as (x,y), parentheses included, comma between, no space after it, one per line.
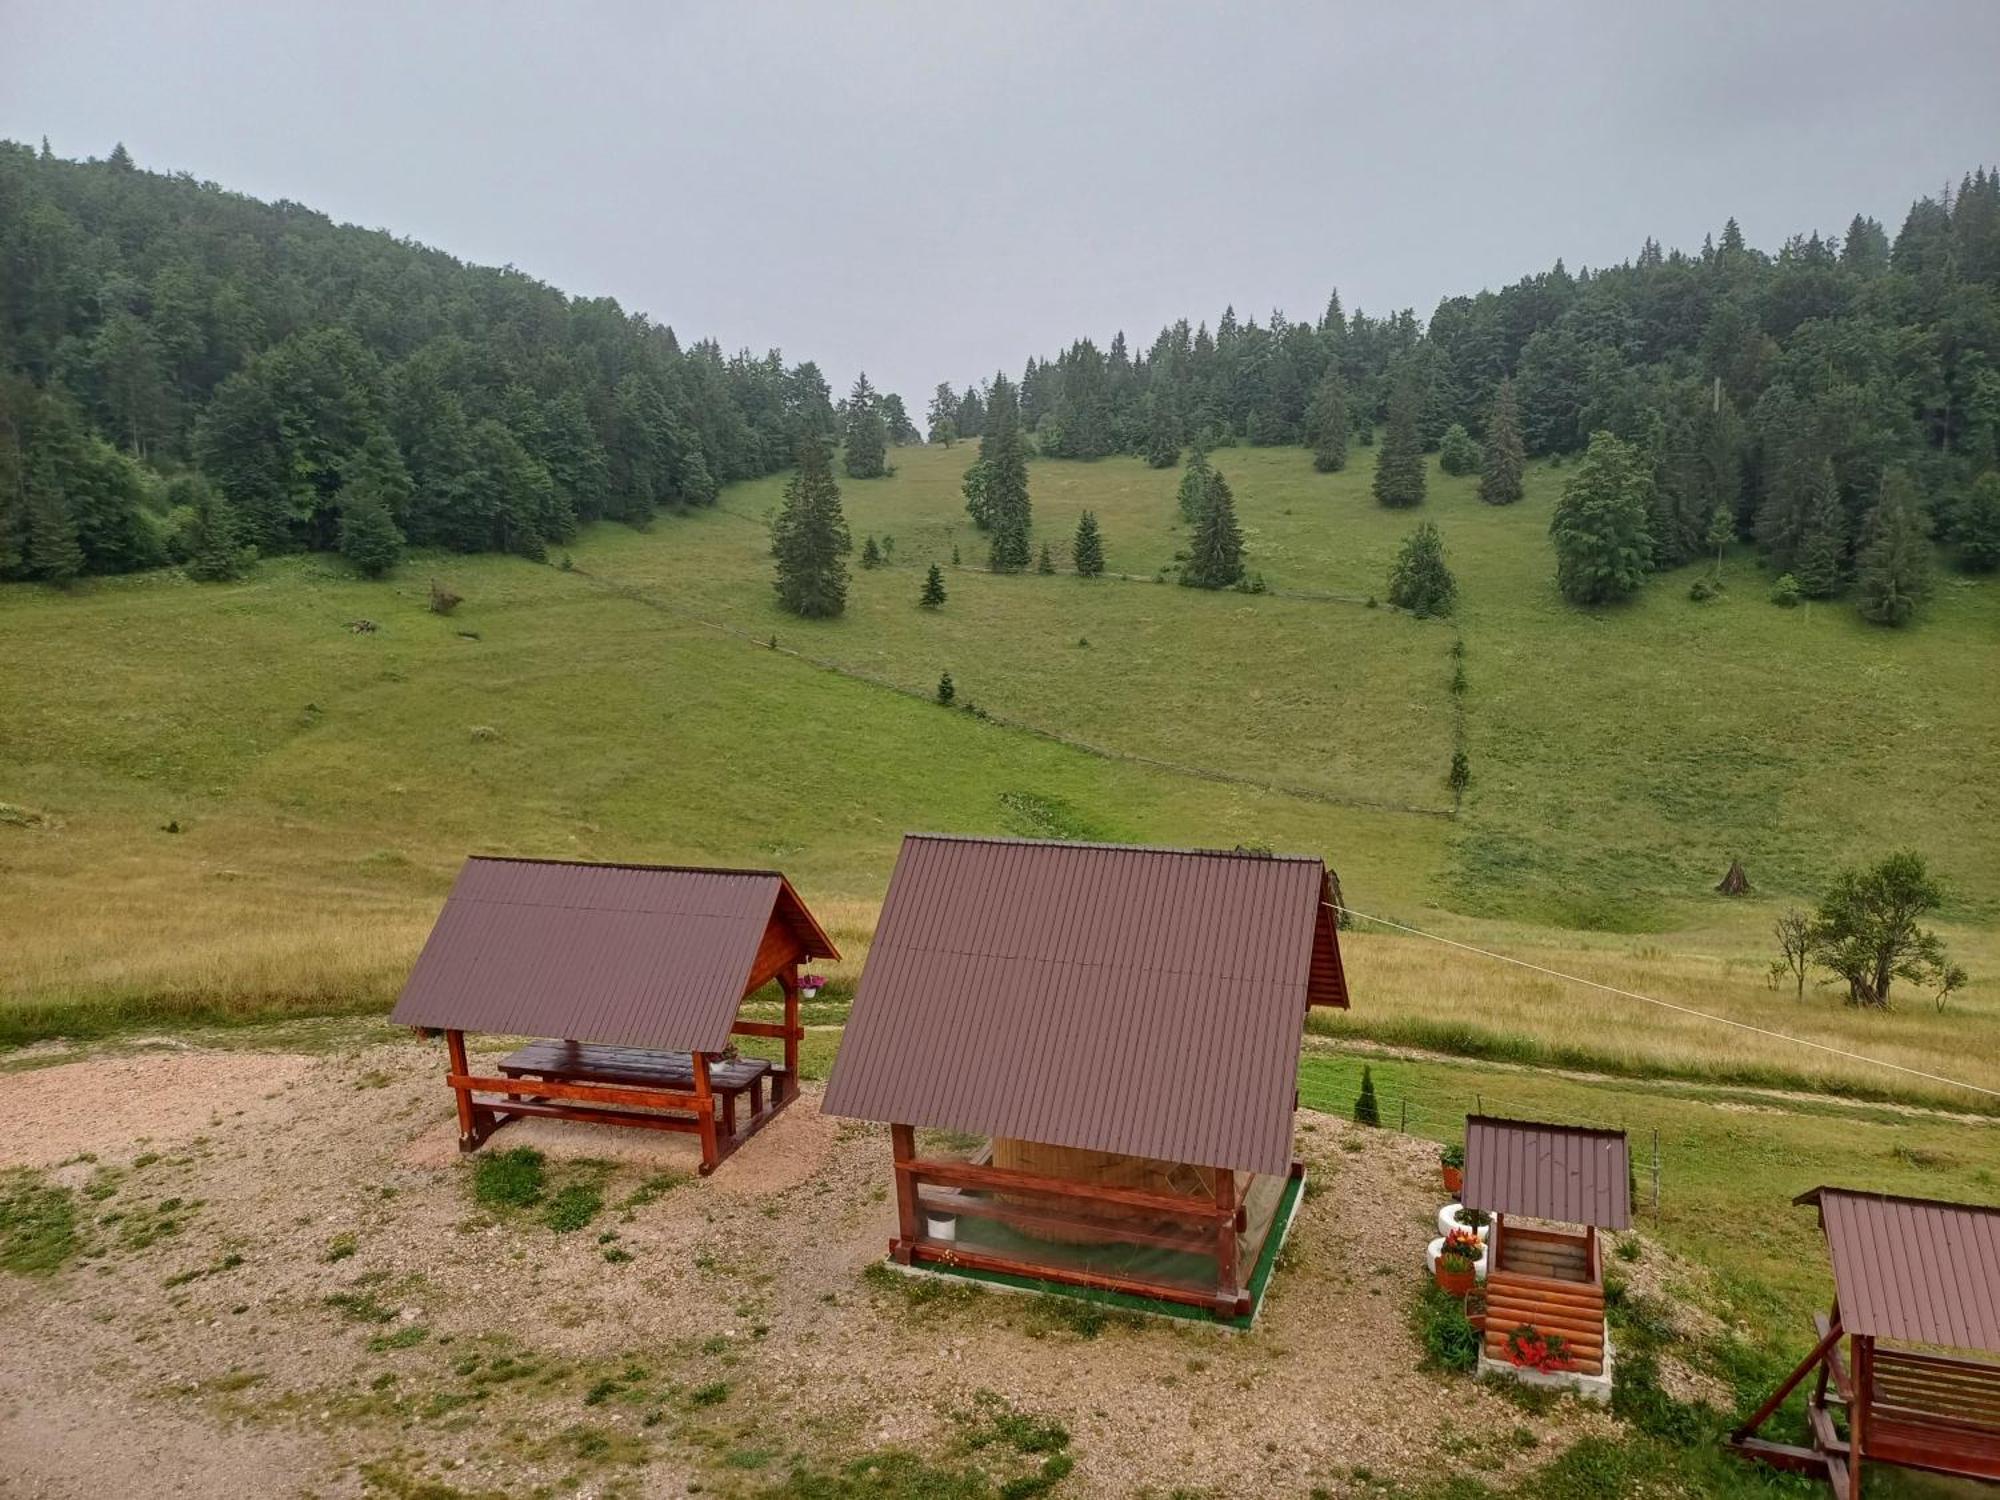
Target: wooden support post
(1227,1287)
(468,1117)
(788,981)
(1822,1350)
(1858,1413)
(903,1146)
(704,1109)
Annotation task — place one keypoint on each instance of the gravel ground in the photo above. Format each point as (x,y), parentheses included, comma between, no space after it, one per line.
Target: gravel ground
(704,1341)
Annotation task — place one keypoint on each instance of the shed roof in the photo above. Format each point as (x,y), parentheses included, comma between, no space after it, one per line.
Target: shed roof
(1109,997)
(632,955)
(1569,1173)
(1913,1268)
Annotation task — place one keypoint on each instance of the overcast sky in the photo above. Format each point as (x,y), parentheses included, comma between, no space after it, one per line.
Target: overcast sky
(932,191)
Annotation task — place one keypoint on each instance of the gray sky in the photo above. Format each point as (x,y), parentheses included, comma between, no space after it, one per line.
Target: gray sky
(931,192)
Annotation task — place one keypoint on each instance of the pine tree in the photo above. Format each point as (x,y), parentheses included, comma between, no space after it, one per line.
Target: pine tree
(810,538)
(871,555)
(1420,581)
(1893,568)
(933,595)
(52,553)
(1326,423)
(1087,551)
(1193,493)
(1215,560)
(1366,1110)
(867,449)
(1502,459)
(1823,546)
(947,693)
(217,551)
(1045,562)
(942,418)
(1604,548)
(368,535)
(1457,453)
(1399,462)
(1979,526)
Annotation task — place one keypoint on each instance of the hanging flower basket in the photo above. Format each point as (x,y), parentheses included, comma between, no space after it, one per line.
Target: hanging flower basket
(810,985)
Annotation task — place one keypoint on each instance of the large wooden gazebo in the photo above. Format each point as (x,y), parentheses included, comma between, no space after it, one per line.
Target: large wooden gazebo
(1101,1044)
(634,978)
(1916,1289)
(1548,1275)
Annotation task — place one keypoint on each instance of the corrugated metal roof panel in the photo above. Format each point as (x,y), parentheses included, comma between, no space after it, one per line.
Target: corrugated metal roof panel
(634,955)
(1913,1268)
(1108,997)
(1567,1173)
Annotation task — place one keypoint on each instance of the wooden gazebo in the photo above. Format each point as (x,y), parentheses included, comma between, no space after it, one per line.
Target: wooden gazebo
(634,976)
(1547,1276)
(1913,1280)
(1107,1039)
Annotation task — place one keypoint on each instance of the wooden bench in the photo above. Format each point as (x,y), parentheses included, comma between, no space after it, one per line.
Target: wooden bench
(598,1084)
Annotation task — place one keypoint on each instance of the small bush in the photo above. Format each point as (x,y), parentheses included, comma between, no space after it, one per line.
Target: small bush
(1785,592)
(340,1247)
(1449,1340)
(443,600)
(1704,589)
(509,1179)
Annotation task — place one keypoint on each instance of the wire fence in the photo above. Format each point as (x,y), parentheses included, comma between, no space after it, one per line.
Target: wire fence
(1331,1083)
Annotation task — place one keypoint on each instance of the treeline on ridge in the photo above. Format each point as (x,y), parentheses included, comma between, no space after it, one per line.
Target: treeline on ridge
(1788,392)
(190,375)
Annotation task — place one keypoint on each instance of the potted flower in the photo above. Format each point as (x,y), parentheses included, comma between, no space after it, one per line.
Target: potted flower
(1528,1348)
(1456,1262)
(1452,1158)
(810,985)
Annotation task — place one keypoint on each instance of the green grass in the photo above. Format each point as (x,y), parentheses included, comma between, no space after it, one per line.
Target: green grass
(326,784)
(509,1179)
(39,1223)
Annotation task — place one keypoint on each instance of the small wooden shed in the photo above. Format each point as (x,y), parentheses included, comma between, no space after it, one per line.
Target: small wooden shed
(1916,1290)
(1547,1276)
(633,978)
(1104,1040)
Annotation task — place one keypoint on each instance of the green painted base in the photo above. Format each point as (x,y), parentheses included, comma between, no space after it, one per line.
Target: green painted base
(1260,1275)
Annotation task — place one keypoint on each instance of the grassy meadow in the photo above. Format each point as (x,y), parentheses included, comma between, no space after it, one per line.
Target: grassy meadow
(223,800)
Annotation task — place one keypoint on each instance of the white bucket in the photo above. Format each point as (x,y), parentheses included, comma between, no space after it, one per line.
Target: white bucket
(941,1227)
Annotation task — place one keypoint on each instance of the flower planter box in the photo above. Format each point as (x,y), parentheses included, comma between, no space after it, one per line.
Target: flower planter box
(1448,1220)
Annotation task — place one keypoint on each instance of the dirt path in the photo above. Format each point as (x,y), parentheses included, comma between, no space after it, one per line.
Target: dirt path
(717,1335)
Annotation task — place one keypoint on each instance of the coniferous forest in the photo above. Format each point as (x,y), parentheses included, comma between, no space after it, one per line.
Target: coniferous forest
(188,375)
(1799,396)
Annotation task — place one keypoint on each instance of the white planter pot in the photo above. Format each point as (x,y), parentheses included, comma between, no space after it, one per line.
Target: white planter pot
(806,993)
(942,1227)
(1448,1220)
(1437,1248)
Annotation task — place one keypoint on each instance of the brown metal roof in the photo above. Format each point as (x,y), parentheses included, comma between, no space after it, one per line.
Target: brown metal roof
(1103,996)
(1913,1268)
(1568,1173)
(633,955)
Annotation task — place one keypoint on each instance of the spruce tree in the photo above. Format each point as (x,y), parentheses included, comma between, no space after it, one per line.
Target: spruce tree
(1326,423)
(867,449)
(1604,548)
(1193,494)
(1893,568)
(871,554)
(368,535)
(947,692)
(1979,526)
(217,551)
(1087,551)
(810,539)
(1823,545)
(53,553)
(1045,561)
(1420,581)
(1366,1110)
(1215,560)
(1457,453)
(942,417)
(1163,432)
(1399,461)
(1003,455)
(933,595)
(1503,458)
